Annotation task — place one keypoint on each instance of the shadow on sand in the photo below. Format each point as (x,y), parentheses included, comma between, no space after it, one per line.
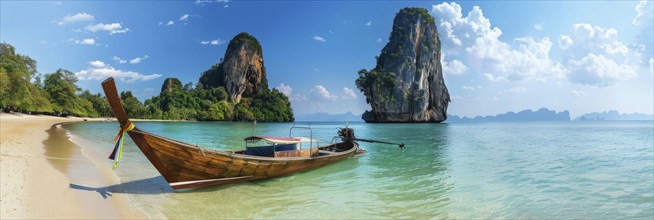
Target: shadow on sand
(153,185)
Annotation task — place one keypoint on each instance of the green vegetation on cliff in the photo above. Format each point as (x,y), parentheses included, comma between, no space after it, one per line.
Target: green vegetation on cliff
(23,89)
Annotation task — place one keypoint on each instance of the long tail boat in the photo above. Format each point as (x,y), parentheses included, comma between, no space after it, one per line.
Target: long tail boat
(186,166)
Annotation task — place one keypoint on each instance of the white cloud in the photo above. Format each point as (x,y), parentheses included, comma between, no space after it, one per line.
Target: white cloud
(644,13)
(204,2)
(43,42)
(369,23)
(113,28)
(349,93)
(117,59)
(379,40)
(87,41)
(213,42)
(98,70)
(578,92)
(183,18)
(319,38)
(598,70)
(596,57)
(76,18)
(565,42)
(471,87)
(651,66)
(97,64)
(322,92)
(170,23)
(287,90)
(514,90)
(316,70)
(475,38)
(493,78)
(538,27)
(138,59)
(455,67)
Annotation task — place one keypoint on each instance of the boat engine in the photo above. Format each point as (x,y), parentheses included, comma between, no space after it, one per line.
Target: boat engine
(346,134)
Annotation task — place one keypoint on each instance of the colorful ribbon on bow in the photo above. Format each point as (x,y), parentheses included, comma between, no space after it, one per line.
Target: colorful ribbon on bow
(118,149)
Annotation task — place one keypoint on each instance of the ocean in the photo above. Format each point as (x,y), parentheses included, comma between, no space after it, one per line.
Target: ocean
(553,170)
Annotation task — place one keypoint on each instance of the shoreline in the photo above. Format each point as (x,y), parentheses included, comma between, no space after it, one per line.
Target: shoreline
(41,164)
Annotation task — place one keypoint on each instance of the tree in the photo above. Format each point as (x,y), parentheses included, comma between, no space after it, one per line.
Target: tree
(132,105)
(61,89)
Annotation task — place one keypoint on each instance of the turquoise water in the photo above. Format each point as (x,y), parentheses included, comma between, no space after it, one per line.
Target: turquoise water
(467,170)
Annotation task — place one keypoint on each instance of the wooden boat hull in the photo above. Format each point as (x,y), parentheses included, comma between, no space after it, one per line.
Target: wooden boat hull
(187,166)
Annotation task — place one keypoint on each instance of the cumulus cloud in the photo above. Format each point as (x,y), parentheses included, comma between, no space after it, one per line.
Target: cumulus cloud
(119,60)
(97,64)
(651,66)
(138,59)
(113,28)
(644,13)
(565,41)
(204,2)
(471,87)
(319,38)
(98,70)
(170,23)
(454,67)
(285,89)
(183,18)
(494,78)
(513,90)
(538,27)
(474,37)
(213,42)
(322,92)
(76,18)
(596,57)
(87,41)
(578,92)
(369,23)
(349,93)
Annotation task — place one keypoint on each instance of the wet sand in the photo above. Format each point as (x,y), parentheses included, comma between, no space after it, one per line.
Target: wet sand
(44,175)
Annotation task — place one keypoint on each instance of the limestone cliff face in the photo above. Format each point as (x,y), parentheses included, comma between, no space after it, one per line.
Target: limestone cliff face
(241,71)
(171,84)
(407,83)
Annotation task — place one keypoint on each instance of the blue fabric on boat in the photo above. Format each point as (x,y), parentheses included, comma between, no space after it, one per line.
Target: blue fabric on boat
(268,151)
(285,147)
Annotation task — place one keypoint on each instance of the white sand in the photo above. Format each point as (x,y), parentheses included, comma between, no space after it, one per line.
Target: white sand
(36,185)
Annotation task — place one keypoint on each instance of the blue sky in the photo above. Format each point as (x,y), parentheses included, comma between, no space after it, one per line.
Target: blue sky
(581,56)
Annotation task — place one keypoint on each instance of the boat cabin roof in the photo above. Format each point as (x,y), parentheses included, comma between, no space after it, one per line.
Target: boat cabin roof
(278,140)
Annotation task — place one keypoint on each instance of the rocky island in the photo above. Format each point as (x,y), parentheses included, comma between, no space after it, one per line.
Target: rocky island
(234,89)
(407,83)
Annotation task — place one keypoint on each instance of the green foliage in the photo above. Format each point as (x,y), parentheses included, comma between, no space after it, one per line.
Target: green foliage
(100,106)
(17,93)
(132,105)
(171,84)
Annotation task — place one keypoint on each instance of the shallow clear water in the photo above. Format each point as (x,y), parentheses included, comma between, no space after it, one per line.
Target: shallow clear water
(466,170)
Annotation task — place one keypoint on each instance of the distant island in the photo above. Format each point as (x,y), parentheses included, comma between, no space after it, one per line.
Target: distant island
(542,114)
(407,83)
(614,115)
(545,114)
(326,117)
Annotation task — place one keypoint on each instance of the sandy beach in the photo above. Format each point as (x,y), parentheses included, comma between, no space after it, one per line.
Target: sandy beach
(38,164)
